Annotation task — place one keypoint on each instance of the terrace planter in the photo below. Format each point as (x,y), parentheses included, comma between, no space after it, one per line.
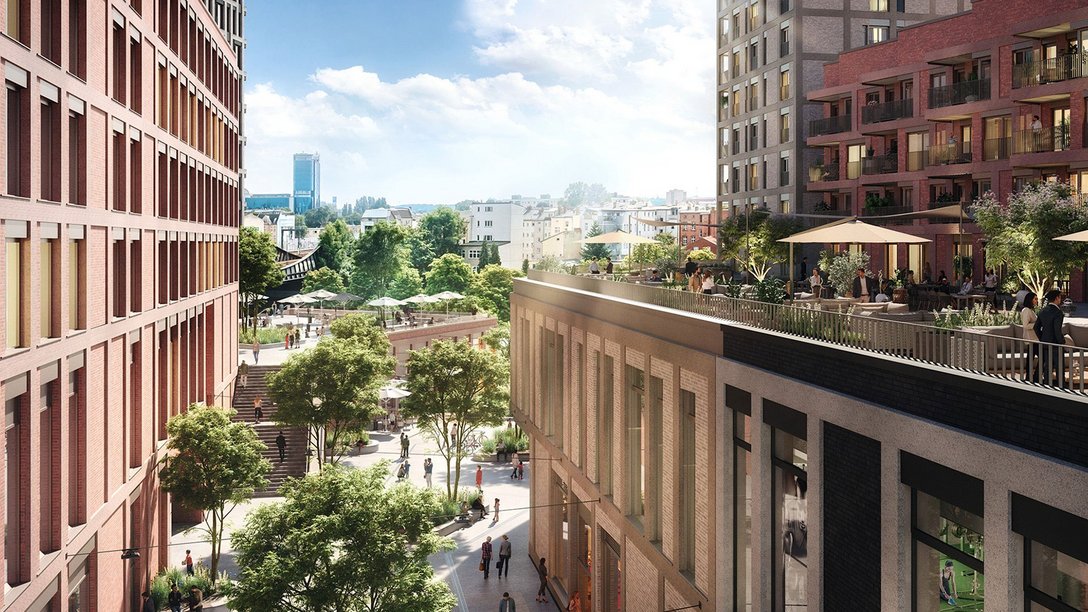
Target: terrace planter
(899,296)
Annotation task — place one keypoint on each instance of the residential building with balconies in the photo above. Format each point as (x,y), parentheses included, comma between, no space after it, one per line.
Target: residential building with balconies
(770,54)
(945,118)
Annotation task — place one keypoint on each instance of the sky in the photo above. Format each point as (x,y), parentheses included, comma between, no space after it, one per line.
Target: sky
(438,101)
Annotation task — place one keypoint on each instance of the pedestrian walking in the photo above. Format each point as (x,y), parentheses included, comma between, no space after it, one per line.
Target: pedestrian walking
(287,340)
(189,562)
(507,604)
(149,604)
(542,572)
(243,374)
(407,468)
(258,410)
(298,337)
(428,467)
(521,470)
(404,445)
(174,599)
(504,555)
(513,471)
(485,557)
(256,348)
(281,444)
(479,478)
(495,518)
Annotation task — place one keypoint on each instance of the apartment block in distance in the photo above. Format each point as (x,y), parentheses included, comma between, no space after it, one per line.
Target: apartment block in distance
(770,53)
(990,100)
(119,214)
(687,455)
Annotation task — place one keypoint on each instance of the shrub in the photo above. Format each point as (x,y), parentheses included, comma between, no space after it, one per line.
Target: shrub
(201,579)
(770,290)
(979,315)
(488,446)
(265,335)
(842,269)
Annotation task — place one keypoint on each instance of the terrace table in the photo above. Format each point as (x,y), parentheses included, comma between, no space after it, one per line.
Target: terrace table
(969,299)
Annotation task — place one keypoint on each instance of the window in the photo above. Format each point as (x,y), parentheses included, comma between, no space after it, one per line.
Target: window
(876,34)
(77,38)
(134,276)
(605,405)
(784,41)
(50,30)
(76,280)
(789,488)
(120,67)
(635,445)
(19,20)
(17,480)
(487,223)
(784,86)
(784,128)
(49,144)
(878,5)
(77,449)
(742,496)
(77,157)
(120,177)
(49,283)
(18,137)
(785,6)
(948,552)
(611,574)
(49,468)
(14,294)
(561,527)
(135,172)
(135,74)
(120,286)
(784,170)
(687,482)
(754,16)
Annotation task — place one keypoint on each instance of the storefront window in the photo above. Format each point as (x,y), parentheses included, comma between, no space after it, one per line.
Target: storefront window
(612,575)
(742,495)
(583,554)
(948,556)
(1058,578)
(791,521)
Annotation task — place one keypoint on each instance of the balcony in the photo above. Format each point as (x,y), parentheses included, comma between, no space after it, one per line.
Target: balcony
(829,125)
(823,173)
(916,160)
(883,164)
(959,93)
(1044,140)
(883,211)
(942,202)
(1053,70)
(887,111)
(996,148)
(951,153)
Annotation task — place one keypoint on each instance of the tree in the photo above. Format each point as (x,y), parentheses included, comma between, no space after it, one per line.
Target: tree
(342,541)
(485,256)
(663,248)
(213,465)
(331,388)
(755,241)
(323,278)
(1022,234)
(406,284)
(320,216)
(258,269)
(525,266)
(579,194)
(703,254)
(549,263)
(379,256)
(449,273)
(495,258)
(334,246)
(498,339)
(361,328)
(493,285)
(443,230)
(453,383)
(595,251)
(420,253)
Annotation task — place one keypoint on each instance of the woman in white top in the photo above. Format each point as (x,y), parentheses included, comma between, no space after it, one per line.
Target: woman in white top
(1027,318)
(816,282)
(708,283)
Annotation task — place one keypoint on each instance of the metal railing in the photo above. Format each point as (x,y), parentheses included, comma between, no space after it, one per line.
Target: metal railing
(950,153)
(916,160)
(887,111)
(824,173)
(880,211)
(959,93)
(996,148)
(1053,70)
(881,164)
(1043,140)
(976,351)
(853,169)
(829,125)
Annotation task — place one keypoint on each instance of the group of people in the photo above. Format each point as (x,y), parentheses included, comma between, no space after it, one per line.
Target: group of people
(595,268)
(175,600)
(700,278)
(1044,362)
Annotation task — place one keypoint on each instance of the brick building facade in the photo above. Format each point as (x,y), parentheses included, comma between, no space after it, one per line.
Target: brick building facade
(119,209)
(679,459)
(991,99)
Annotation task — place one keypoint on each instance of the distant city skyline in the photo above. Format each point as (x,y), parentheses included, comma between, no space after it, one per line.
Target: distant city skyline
(476,99)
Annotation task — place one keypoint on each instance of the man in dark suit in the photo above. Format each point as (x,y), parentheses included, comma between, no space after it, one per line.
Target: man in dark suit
(864,287)
(1048,327)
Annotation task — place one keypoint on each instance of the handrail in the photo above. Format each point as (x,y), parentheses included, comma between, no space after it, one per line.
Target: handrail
(965,350)
(959,93)
(887,111)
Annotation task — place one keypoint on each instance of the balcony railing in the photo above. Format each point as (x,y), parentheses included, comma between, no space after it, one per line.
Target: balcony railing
(829,125)
(996,148)
(972,351)
(1044,140)
(1053,70)
(853,169)
(882,211)
(940,204)
(887,111)
(882,164)
(959,93)
(916,160)
(824,173)
(951,153)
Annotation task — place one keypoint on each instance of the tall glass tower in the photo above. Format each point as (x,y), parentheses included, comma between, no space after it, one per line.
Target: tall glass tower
(307,181)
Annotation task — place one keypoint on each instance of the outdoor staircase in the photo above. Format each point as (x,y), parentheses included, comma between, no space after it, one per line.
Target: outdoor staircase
(294,463)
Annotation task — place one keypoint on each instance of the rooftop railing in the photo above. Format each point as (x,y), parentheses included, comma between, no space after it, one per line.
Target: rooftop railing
(959,93)
(829,125)
(975,351)
(887,111)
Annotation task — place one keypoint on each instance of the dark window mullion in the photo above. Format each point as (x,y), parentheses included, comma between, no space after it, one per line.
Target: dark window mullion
(943,547)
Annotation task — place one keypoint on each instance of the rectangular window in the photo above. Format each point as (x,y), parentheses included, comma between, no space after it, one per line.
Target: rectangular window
(48,293)
(876,34)
(77,38)
(17,481)
(784,128)
(19,20)
(742,492)
(654,457)
(789,488)
(14,296)
(948,553)
(878,5)
(605,406)
(784,86)
(120,67)
(134,276)
(50,30)
(120,178)
(18,138)
(135,175)
(49,470)
(49,144)
(77,450)
(580,401)
(76,284)
(784,171)
(634,445)
(612,575)
(687,482)
(135,75)
(561,528)
(77,163)
(120,286)
(784,41)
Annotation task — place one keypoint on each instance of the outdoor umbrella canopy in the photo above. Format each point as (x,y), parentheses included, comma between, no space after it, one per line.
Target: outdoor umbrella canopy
(320,294)
(392,393)
(852,230)
(1075,237)
(421,299)
(345,297)
(617,237)
(297,299)
(448,295)
(384,302)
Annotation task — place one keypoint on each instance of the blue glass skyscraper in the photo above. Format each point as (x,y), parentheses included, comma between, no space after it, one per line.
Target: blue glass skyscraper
(307,181)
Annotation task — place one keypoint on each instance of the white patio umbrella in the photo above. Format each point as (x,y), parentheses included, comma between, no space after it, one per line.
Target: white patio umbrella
(1075,237)
(384,302)
(297,300)
(320,295)
(448,295)
(422,299)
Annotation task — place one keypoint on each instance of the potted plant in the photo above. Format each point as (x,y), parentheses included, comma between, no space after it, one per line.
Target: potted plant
(873,200)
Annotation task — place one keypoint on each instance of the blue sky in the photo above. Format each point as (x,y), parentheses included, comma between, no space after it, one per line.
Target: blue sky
(444,100)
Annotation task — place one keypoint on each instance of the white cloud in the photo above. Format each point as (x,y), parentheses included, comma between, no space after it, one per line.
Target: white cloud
(612,91)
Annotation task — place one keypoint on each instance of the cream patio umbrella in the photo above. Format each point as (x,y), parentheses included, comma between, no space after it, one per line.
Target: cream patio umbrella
(848,230)
(1075,237)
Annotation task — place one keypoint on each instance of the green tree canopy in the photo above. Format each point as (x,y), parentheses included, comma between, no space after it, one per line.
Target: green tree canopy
(443,230)
(380,255)
(334,386)
(1022,233)
(595,251)
(407,283)
(485,256)
(323,278)
(703,254)
(449,273)
(498,339)
(213,465)
(361,328)
(319,216)
(341,541)
(580,194)
(493,285)
(334,246)
(420,252)
(663,248)
(453,383)
(755,241)
(549,263)
(258,270)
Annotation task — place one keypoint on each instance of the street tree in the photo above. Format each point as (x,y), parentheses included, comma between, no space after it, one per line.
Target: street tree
(663,248)
(361,328)
(258,270)
(443,230)
(493,285)
(549,263)
(452,383)
(342,541)
(449,273)
(332,391)
(595,251)
(323,278)
(380,255)
(1022,233)
(212,466)
(334,246)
